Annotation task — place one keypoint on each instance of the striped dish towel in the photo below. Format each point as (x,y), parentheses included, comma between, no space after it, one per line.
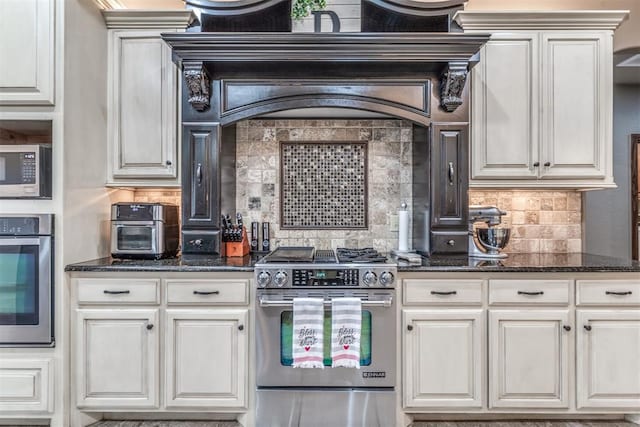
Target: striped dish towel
(308,324)
(346,323)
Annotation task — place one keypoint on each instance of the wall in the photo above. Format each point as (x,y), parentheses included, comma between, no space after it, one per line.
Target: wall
(608,229)
(540,221)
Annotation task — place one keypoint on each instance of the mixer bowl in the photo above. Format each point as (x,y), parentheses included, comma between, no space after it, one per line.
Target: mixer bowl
(493,239)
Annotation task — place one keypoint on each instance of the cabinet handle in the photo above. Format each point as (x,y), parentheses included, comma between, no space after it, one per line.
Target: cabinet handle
(530,293)
(168,163)
(587,327)
(150,326)
(409,327)
(206,292)
(241,327)
(108,292)
(567,328)
(536,164)
(618,293)
(199,173)
(451,174)
(547,164)
(444,292)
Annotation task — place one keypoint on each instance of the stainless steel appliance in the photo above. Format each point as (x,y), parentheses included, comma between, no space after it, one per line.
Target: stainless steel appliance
(144,230)
(26,280)
(487,242)
(330,396)
(25,171)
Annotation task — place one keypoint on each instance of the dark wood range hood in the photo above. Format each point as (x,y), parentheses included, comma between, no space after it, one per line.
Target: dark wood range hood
(416,76)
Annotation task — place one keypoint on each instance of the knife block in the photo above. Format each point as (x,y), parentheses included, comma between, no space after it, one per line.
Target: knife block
(238,249)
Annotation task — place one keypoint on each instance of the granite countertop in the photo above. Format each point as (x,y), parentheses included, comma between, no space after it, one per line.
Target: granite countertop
(531,262)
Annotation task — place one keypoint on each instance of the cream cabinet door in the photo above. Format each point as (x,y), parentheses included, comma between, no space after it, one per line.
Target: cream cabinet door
(608,368)
(26,385)
(443,358)
(504,124)
(207,358)
(117,359)
(27,35)
(577,104)
(142,94)
(529,358)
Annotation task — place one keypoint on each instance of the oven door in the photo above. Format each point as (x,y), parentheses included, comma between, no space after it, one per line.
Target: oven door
(25,292)
(274,321)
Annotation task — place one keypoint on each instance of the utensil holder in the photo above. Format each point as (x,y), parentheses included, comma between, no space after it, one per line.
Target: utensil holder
(238,249)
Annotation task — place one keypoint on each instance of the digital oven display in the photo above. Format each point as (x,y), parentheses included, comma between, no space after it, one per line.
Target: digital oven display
(326,274)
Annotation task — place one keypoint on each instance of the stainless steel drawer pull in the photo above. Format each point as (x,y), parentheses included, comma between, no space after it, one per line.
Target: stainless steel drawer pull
(206,292)
(284,303)
(618,293)
(106,291)
(444,292)
(530,293)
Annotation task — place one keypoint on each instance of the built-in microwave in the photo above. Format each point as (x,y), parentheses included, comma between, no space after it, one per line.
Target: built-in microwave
(25,171)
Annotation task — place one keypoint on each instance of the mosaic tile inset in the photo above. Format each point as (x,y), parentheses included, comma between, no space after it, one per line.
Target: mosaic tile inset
(324,185)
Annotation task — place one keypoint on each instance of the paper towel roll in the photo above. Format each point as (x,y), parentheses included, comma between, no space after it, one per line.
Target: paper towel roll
(403,230)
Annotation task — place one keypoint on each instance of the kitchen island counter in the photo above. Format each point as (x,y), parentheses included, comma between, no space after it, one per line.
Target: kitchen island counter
(528,262)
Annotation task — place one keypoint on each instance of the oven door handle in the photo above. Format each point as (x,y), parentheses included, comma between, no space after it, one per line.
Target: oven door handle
(265,302)
(10,241)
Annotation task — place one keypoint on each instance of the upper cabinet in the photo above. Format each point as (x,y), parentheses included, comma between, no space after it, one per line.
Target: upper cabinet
(143,98)
(541,99)
(27,52)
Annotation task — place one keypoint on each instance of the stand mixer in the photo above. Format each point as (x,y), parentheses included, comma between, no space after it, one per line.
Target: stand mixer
(487,242)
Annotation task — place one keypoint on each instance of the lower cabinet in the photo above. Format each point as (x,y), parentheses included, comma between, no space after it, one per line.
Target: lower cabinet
(207,355)
(117,358)
(529,358)
(444,356)
(608,362)
(26,385)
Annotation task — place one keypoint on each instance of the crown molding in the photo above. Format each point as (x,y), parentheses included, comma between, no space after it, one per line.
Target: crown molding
(143,19)
(481,20)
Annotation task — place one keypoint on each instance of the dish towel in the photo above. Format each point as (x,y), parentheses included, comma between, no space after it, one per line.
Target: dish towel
(346,324)
(308,325)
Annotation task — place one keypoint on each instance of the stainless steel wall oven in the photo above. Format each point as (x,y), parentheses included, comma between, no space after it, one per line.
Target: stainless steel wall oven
(26,280)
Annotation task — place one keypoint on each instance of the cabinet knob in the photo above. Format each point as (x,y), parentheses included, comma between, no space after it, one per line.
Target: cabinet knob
(587,327)
(409,327)
(150,326)
(567,328)
(168,163)
(241,327)
(547,164)
(536,164)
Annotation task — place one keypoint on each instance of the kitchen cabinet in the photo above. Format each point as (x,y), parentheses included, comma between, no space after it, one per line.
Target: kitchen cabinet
(529,358)
(535,121)
(117,358)
(143,95)
(27,31)
(207,357)
(149,341)
(443,348)
(26,385)
(608,344)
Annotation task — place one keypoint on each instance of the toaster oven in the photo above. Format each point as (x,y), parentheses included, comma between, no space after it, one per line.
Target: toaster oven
(144,230)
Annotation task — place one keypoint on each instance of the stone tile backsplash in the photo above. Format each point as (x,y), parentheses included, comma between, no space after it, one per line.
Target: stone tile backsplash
(388,166)
(541,221)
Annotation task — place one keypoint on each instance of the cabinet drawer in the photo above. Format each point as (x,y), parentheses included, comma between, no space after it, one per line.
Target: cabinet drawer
(422,291)
(608,292)
(207,291)
(118,291)
(529,291)
(26,385)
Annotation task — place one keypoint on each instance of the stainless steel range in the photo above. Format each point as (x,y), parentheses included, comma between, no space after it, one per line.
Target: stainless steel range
(330,396)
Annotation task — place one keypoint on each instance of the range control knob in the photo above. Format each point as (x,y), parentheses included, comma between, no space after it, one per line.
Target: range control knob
(386,278)
(263,279)
(280,279)
(369,278)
